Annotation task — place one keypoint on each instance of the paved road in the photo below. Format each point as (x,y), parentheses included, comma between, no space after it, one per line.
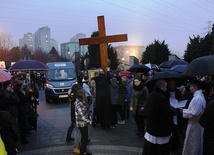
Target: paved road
(53,121)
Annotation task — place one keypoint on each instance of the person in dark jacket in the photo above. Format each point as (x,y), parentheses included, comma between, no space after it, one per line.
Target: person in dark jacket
(103,99)
(22,113)
(139,96)
(207,122)
(159,115)
(9,132)
(9,100)
(121,100)
(114,87)
(175,93)
(128,96)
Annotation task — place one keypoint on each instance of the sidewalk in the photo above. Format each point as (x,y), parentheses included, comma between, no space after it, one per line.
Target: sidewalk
(51,134)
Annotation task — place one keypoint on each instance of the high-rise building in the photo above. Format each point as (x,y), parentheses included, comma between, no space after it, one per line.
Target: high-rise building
(69,48)
(27,40)
(40,40)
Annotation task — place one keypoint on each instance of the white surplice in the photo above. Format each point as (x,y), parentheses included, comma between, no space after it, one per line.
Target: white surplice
(193,144)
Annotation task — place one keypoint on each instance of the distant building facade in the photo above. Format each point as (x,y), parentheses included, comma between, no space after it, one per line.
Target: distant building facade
(129,55)
(27,40)
(41,39)
(173,57)
(68,49)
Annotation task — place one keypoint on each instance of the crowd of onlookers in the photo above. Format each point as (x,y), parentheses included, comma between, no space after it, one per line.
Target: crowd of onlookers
(18,112)
(165,128)
(108,100)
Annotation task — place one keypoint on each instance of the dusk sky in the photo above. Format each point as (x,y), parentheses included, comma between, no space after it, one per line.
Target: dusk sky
(143,20)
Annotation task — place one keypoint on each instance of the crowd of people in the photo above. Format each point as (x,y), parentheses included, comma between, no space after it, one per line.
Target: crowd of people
(165,128)
(108,100)
(18,113)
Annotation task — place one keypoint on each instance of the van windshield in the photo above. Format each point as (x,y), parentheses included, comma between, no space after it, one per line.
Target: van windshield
(61,74)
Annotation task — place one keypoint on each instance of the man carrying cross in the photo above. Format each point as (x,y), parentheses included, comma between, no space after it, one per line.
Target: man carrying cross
(103,102)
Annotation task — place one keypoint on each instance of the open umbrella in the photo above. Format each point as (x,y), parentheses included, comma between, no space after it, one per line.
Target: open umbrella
(178,68)
(28,65)
(138,68)
(200,66)
(4,76)
(152,66)
(171,63)
(164,75)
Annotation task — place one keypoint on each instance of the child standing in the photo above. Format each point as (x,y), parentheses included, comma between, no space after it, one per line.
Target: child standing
(82,119)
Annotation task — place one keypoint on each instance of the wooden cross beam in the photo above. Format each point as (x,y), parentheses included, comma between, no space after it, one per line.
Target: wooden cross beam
(102,39)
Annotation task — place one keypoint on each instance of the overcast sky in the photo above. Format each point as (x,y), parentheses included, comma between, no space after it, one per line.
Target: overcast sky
(143,20)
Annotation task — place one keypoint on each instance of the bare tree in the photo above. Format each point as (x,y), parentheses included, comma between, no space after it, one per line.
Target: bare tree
(5,41)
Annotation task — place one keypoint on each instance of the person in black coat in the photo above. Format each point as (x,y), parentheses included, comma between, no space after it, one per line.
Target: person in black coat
(159,115)
(207,122)
(174,92)
(9,132)
(103,99)
(22,113)
(9,100)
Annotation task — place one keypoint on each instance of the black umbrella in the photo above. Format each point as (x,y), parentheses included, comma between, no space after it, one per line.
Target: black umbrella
(178,68)
(200,66)
(138,68)
(164,75)
(171,63)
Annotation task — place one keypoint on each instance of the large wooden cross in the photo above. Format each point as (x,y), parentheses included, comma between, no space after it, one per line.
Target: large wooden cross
(102,39)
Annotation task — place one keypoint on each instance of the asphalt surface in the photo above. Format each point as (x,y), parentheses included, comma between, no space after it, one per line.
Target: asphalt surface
(52,125)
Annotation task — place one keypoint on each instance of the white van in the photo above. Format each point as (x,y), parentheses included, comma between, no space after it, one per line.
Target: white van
(59,79)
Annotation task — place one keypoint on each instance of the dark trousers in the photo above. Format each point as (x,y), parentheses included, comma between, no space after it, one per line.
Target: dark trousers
(89,100)
(139,119)
(121,111)
(84,139)
(70,129)
(113,114)
(127,108)
(155,149)
(94,116)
